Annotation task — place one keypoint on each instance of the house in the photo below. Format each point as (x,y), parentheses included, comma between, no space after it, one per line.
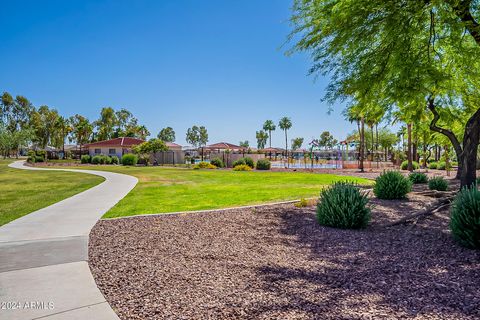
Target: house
(113,147)
(120,146)
(173,146)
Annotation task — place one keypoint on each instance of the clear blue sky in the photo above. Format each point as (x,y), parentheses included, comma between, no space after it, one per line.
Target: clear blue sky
(172,63)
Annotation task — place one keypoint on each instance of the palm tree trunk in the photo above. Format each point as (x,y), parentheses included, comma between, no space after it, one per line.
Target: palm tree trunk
(286,147)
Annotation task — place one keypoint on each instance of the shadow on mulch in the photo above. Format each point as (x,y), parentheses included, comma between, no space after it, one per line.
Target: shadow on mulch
(278,263)
(413,271)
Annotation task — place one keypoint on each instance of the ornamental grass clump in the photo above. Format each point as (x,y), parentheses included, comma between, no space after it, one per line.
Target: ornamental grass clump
(418,177)
(242,167)
(342,205)
(238,162)
(204,165)
(465,218)
(438,183)
(433,165)
(392,185)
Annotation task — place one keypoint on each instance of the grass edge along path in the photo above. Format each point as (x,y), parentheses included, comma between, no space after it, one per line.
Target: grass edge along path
(25,191)
(167,190)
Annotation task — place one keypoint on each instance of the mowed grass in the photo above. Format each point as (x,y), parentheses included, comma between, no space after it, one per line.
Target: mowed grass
(22,191)
(162,190)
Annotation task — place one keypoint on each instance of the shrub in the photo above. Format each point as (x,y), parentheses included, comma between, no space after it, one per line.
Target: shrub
(249,162)
(39,159)
(106,160)
(217,162)
(129,159)
(418,177)
(204,165)
(302,203)
(442,165)
(238,162)
(404,165)
(433,165)
(31,156)
(242,167)
(465,218)
(343,206)
(438,183)
(392,185)
(115,160)
(96,159)
(263,164)
(85,159)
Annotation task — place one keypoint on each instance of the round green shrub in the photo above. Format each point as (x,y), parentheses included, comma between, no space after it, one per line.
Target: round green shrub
(263,164)
(39,159)
(404,165)
(433,165)
(438,183)
(85,159)
(342,205)
(392,185)
(418,177)
(96,159)
(217,162)
(242,167)
(129,159)
(115,160)
(465,218)
(238,162)
(249,162)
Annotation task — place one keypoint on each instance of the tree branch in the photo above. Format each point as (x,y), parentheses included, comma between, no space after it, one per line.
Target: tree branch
(462,10)
(449,134)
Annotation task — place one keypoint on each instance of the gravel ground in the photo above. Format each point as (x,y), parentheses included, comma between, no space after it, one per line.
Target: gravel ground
(278,263)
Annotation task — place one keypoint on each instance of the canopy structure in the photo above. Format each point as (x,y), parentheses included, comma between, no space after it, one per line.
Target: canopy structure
(224,146)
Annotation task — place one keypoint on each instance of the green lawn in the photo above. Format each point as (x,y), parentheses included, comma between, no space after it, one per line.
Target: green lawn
(22,191)
(163,190)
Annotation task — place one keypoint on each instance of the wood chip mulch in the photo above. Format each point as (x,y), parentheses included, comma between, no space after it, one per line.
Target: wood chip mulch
(278,263)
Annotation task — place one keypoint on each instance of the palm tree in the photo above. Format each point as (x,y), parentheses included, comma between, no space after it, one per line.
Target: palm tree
(285,123)
(269,126)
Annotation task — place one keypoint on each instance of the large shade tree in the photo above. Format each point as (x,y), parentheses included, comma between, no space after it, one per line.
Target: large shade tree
(424,54)
(167,134)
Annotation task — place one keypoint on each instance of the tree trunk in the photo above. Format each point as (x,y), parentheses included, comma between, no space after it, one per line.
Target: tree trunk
(470,147)
(409,147)
(286,148)
(362,144)
(466,153)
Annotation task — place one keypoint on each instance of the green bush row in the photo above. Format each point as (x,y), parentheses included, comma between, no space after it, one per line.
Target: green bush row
(99,159)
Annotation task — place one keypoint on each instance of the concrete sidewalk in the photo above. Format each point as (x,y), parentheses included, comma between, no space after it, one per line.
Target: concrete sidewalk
(43,255)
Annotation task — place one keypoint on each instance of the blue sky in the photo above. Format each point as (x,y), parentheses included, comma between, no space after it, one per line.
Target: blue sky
(220,64)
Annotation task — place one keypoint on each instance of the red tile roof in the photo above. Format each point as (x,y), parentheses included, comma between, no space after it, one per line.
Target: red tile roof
(122,142)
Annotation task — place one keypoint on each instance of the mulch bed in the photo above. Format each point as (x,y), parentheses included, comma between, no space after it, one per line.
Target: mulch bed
(278,263)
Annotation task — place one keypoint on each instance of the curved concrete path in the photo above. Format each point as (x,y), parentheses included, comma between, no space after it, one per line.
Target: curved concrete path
(43,255)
